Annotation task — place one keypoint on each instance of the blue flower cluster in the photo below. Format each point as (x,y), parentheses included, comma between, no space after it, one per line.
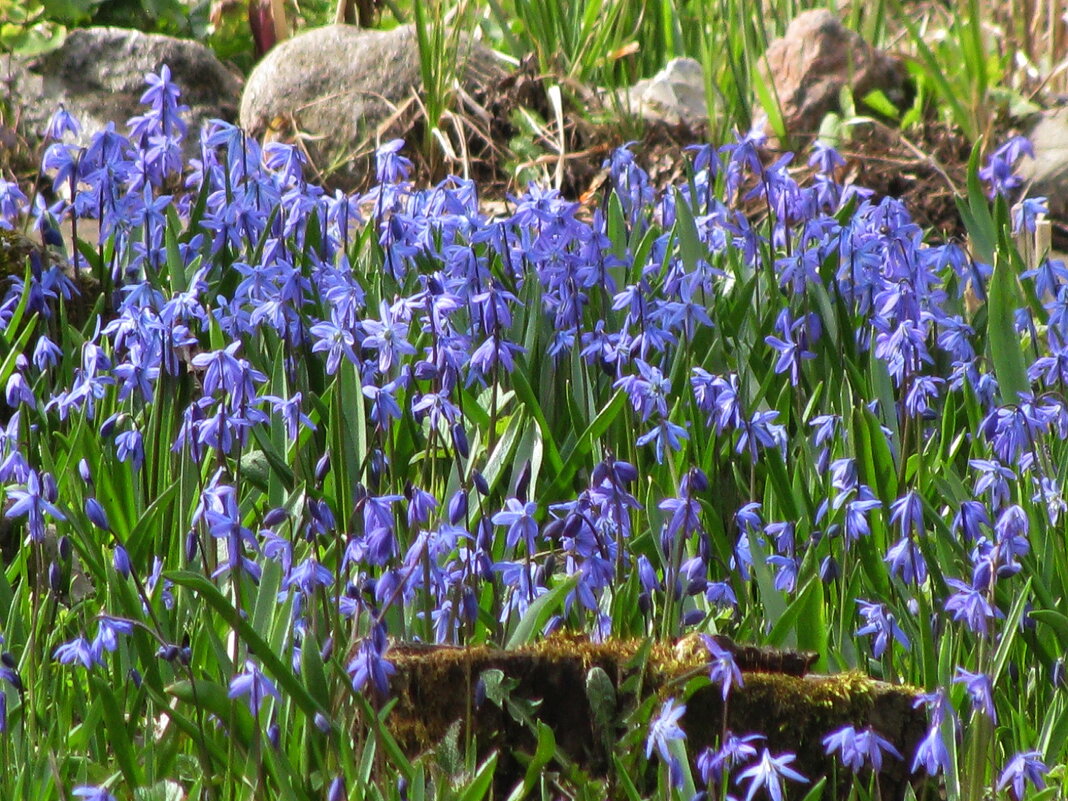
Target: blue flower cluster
(336,385)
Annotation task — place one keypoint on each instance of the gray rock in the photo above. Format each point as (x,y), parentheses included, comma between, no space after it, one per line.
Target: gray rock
(99,75)
(816,57)
(675,95)
(1047,173)
(333,88)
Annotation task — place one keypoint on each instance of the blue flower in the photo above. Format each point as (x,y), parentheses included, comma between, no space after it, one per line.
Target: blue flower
(980,690)
(253,683)
(370,665)
(80,651)
(971,606)
(882,625)
(1026,766)
(734,751)
(62,123)
(769,773)
(857,748)
(91,793)
(308,575)
(664,730)
(390,166)
(388,336)
(722,669)
(519,517)
(931,753)
(32,503)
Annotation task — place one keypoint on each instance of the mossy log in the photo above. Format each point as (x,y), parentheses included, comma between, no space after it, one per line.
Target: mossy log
(438,687)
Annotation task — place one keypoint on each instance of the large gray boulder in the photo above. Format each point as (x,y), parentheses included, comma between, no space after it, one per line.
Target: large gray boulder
(99,75)
(334,88)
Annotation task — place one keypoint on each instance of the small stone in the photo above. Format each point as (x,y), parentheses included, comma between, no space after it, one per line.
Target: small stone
(675,95)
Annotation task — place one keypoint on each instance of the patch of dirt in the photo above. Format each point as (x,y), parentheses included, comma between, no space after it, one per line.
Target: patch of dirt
(925,168)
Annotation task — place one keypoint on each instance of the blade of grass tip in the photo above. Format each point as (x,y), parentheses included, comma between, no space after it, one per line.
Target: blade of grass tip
(816,792)
(623,780)
(770,103)
(175,264)
(812,627)
(544,752)
(976,211)
(503,452)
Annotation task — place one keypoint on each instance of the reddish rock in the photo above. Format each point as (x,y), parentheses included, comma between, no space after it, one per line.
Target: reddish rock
(817,57)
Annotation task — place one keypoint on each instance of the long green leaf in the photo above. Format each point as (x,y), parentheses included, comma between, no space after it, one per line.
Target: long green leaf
(1006,351)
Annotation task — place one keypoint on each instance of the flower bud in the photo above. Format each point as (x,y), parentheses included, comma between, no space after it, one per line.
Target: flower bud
(458,507)
(48,488)
(829,570)
(96,514)
(275,517)
(522,483)
(192,546)
(121,561)
(55,578)
(322,467)
(459,441)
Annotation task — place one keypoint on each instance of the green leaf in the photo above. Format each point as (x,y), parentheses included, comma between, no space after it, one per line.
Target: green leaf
(385,739)
(538,613)
(118,735)
(624,781)
(1006,351)
(816,793)
(1056,621)
(1010,629)
(279,670)
(543,754)
(576,456)
(481,783)
(212,698)
(526,396)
